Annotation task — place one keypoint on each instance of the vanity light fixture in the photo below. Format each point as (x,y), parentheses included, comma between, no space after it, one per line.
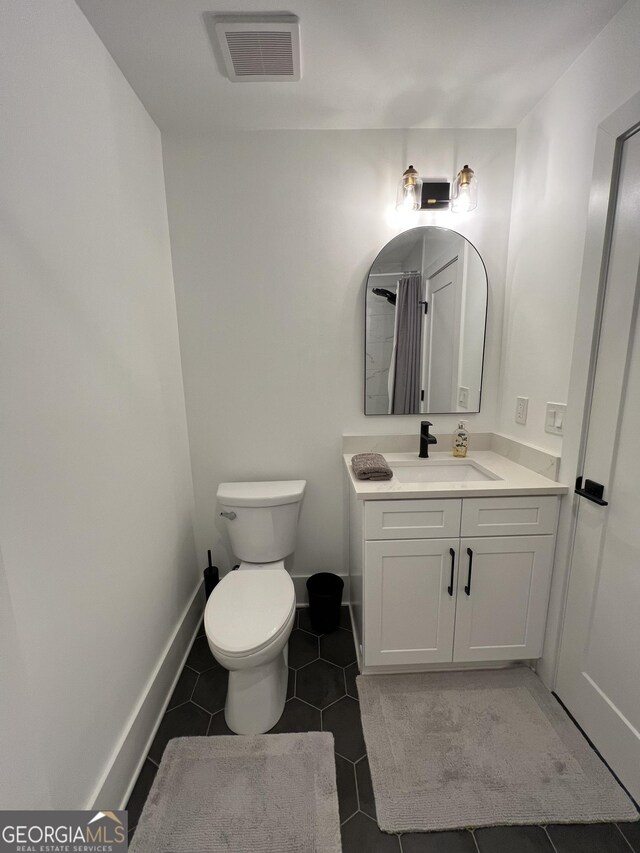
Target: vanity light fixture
(417,194)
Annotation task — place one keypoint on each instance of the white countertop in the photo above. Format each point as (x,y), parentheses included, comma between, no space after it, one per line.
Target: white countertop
(513,479)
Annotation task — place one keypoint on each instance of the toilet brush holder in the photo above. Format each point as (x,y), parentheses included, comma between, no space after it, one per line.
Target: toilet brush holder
(211,577)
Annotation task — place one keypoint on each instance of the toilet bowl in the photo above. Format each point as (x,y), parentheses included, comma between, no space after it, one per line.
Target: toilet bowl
(250,614)
(248,621)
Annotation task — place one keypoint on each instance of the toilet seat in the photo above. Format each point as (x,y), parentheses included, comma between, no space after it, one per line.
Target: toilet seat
(249,609)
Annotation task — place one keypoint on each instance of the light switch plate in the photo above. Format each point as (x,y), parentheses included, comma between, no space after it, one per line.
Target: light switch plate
(522,405)
(554,419)
(463,397)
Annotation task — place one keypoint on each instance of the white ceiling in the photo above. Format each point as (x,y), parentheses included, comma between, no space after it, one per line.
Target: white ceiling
(365,63)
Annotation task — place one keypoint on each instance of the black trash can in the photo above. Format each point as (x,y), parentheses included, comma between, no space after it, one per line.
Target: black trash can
(325,599)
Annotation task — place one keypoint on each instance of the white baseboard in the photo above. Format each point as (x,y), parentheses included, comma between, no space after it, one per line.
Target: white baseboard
(115,787)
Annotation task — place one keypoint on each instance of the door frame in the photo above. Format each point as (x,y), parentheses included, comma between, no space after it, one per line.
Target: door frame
(610,137)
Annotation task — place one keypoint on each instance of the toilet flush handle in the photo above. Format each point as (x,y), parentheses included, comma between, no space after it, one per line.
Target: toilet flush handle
(229,515)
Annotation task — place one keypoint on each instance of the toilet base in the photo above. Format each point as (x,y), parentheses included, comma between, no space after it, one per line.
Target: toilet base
(256,696)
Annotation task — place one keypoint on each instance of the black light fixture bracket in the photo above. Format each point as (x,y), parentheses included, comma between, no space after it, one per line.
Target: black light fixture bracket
(436,195)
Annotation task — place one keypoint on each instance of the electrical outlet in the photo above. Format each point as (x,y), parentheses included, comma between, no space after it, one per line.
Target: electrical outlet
(522,405)
(554,419)
(463,397)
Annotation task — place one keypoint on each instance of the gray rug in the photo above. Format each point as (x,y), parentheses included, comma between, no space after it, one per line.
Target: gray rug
(464,749)
(262,794)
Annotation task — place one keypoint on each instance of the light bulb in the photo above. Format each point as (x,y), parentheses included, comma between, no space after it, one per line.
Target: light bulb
(409,191)
(410,202)
(462,203)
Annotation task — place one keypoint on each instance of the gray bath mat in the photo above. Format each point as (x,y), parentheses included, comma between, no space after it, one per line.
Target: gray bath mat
(262,794)
(463,749)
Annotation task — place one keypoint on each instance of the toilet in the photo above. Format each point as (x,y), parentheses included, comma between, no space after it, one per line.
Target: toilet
(250,613)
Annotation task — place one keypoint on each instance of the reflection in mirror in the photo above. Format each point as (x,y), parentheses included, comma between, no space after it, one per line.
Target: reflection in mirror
(426,307)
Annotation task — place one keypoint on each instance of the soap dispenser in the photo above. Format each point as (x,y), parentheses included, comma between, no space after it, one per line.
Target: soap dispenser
(460,440)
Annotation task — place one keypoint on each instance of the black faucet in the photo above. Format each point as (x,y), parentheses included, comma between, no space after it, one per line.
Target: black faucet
(426,439)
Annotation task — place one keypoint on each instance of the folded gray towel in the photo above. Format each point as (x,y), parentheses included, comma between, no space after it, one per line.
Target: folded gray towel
(371,466)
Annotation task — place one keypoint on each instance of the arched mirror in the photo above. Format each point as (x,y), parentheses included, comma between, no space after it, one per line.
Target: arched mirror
(426,310)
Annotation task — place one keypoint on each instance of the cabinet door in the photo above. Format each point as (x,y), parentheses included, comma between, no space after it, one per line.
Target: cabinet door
(409,601)
(503,589)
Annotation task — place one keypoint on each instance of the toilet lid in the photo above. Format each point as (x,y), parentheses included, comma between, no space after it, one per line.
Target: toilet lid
(248,609)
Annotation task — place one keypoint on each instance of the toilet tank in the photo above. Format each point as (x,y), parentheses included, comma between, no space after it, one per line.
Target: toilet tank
(266,518)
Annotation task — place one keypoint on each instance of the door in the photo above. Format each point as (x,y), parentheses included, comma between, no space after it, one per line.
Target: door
(409,601)
(444,338)
(599,667)
(503,590)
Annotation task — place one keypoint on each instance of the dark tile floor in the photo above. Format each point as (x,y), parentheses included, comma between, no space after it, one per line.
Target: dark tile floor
(322,695)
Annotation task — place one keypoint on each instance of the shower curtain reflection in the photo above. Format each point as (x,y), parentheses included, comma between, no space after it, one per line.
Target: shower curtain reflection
(404,374)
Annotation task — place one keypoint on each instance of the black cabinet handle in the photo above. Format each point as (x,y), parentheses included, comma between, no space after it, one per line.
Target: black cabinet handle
(453,567)
(467,588)
(592,491)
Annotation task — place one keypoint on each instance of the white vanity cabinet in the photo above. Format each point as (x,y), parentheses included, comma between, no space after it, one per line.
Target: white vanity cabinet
(451,581)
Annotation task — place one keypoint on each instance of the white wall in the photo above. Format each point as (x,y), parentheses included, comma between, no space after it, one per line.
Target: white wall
(95,487)
(553,276)
(552,181)
(272,235)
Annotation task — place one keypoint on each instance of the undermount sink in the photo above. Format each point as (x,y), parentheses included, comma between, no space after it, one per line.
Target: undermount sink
(441,471)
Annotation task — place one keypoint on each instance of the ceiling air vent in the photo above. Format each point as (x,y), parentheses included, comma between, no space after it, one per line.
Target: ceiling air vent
(259,47)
